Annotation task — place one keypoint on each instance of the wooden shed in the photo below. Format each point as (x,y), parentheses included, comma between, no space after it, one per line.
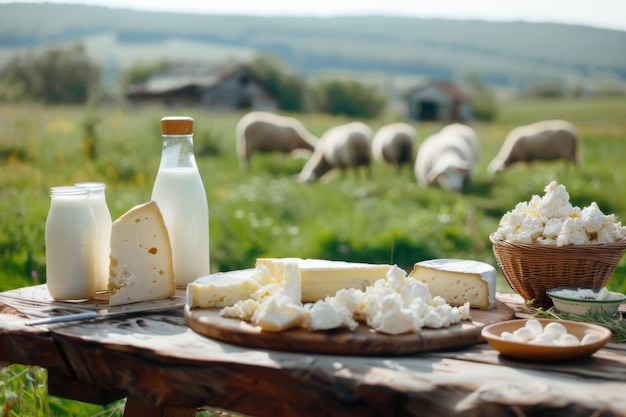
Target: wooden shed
(438,101)
(230,87)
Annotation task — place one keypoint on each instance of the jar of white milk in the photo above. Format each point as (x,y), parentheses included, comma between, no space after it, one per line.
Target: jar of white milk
(104,222)
(71,245)
(179,192)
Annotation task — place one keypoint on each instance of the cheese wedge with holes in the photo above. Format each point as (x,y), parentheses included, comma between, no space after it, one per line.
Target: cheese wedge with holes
(321,278)
(140,267)
(458,281)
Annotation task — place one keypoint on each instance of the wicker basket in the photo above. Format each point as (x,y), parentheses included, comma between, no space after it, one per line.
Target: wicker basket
(531,269)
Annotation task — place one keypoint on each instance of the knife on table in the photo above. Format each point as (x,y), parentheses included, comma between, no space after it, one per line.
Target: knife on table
(79,314)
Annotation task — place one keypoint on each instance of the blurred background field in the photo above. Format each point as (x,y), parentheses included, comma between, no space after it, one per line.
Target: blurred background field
(266,212)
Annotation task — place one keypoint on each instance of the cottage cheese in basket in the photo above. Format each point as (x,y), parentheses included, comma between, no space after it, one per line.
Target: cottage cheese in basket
(552,220)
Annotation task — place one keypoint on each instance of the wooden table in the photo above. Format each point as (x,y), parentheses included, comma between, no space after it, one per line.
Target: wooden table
(164,368)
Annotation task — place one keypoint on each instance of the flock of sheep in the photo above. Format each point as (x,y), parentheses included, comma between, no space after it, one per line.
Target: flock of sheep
(447,158)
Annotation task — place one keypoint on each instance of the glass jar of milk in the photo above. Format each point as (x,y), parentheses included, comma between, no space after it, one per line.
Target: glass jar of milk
(180,194)
(101,211)
(71,245)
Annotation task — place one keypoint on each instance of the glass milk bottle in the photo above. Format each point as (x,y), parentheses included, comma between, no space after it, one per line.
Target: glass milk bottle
(180,194)
(103,223)
(71,245)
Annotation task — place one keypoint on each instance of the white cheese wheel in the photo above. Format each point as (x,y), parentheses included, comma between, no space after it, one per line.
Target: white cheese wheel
(322,278)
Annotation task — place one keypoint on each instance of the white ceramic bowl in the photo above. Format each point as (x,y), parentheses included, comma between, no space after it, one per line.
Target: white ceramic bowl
(568,300)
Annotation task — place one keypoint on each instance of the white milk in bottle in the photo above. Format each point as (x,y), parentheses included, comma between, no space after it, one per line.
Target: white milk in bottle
(103,223)
(71,245)
(180,194)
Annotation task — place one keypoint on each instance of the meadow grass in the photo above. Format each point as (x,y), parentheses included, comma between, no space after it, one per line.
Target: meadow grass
(266,212)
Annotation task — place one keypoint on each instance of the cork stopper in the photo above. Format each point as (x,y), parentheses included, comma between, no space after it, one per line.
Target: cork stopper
(177,125)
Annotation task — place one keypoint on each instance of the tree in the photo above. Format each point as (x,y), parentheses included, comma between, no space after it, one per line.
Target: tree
(140,72)
(350,98)
(483,102)
(57,75)
(287,86)
(544,89)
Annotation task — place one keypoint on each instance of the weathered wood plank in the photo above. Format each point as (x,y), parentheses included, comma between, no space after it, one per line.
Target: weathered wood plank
(79,390)
(136,408)
(23,345)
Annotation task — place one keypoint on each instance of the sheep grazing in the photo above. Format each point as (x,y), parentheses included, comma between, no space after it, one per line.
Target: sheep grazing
(268,132)
(546,140)
(344,146)
(468,134)
(445,159)
(394,144)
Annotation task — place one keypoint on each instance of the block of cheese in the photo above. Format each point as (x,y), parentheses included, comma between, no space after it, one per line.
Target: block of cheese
(140,266)
(321,278)
(458,281)
(222,289)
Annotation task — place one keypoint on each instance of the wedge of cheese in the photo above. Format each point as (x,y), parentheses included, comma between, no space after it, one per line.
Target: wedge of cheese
(140,266)
(321,278)
(458,281)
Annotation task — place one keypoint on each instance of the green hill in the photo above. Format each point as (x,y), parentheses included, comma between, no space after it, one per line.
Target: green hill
(505,54)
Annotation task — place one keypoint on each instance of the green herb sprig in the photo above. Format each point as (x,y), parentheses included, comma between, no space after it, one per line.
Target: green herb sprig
(601,317)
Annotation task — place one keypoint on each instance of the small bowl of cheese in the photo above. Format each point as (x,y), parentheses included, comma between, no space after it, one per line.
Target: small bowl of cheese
(580,301)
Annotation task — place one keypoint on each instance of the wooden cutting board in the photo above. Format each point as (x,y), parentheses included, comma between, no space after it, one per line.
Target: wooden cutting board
(362,341)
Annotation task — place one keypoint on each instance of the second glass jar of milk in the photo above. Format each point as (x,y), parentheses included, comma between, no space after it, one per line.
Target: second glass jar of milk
(180,194)
(100,209)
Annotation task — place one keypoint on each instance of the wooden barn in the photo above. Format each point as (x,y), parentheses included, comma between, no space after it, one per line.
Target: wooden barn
(438,101)
(230,87)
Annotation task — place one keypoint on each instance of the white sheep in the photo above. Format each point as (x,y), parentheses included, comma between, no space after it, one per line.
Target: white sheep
(467,133)
(544,140)
(445,159)
(344,146)
(268,132)
(394,144)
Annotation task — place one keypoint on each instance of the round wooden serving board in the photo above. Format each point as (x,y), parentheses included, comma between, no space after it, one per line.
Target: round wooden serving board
(362,341)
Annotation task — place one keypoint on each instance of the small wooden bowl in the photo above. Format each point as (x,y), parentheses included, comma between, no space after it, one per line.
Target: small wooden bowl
(543,353)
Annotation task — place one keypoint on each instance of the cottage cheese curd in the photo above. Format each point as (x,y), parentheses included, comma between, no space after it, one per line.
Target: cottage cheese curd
(553,220)
(395,304)
(553,334)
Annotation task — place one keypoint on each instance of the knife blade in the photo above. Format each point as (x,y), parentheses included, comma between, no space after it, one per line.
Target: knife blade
(80,314)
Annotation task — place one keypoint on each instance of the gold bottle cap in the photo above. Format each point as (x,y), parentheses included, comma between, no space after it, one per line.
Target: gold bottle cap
(177,125)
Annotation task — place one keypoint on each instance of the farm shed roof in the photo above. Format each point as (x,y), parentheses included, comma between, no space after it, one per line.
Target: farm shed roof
(184,77)
(447,86)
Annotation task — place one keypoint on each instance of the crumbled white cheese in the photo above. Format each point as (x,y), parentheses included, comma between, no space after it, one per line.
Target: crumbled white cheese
(552,220)
(394,305)
(272,306)
(323,316)
(588,294)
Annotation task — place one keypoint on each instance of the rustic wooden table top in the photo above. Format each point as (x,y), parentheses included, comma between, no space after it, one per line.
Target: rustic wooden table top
(164,368)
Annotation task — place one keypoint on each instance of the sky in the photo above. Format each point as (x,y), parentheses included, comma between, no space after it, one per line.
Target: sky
(609,14)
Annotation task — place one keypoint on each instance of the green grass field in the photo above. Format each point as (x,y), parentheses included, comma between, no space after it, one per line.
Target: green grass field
(266,212)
